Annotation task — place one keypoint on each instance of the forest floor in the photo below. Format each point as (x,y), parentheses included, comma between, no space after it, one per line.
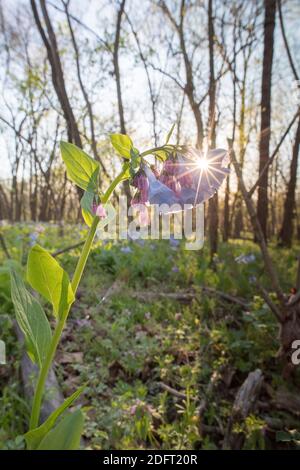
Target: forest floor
(154,346)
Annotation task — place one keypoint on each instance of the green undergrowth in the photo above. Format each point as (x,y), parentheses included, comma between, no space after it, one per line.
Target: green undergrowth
(148,340)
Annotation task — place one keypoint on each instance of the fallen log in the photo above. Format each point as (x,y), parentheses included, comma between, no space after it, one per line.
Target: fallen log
(189,296)
(244,404)
(287,401)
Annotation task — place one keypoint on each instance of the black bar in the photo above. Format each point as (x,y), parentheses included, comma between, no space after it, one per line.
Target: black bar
(138,458)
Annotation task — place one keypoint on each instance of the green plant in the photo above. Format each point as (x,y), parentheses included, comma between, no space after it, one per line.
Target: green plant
(49,279)
(44,274)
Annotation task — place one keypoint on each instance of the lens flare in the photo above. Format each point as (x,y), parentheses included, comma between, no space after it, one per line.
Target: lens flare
(202,163)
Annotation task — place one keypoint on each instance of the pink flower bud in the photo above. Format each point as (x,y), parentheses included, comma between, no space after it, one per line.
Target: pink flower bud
(99,211)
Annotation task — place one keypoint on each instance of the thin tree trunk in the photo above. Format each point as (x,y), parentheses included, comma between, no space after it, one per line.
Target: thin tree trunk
(85,95)
(227,218)
(213,202)
(238,220)
(117,68)
(153,98)
(286,232)
(265,130)
(126,186)
(189,88)
(50,42)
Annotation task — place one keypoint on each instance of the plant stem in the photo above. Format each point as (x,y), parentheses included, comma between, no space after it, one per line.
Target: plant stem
(84,255)
(43,374)
(37,401)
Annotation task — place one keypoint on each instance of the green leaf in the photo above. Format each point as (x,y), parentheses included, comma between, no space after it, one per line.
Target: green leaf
(86,207)
(34,437)
(66,435)
(81,168)
(122,143)
(47,277)
(87,201)
(169,135)
(31,319)
(87,217)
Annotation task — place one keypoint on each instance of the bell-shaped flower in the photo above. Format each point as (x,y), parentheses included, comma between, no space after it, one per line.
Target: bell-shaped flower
(99,210)
(188,179)
(140,181)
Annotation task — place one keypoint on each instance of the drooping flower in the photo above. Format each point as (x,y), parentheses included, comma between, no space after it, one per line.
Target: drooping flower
(170,167)
(186,179)
(99,210)
(171,182)
(141,197)
(190,179)
(140,181)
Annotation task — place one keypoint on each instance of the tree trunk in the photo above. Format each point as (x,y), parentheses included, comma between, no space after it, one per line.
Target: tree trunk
(117,68)
(126,186)
(226,226)
(213,202)
(238,212)
(286,232)
(265,127)
(85,95)
(50,42)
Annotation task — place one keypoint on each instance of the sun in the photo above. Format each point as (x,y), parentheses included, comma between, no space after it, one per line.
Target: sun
(202,163)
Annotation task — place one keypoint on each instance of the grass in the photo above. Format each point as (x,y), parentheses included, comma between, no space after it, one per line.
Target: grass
(125,338)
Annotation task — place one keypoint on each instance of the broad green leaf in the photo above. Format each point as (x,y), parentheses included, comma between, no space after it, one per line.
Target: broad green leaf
(87,217)
(33,438)
(31,319)
(66,435)
(86,207)
(81,168)
(169,135)
(122,143)
(47,277)
(87,201)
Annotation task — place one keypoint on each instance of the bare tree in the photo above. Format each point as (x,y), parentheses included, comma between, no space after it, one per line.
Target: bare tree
(153,97)
(286,231)
(49,39)
(84,92)
(189,87)
(213,214)
(116,47)
(265,127)
(116,65)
